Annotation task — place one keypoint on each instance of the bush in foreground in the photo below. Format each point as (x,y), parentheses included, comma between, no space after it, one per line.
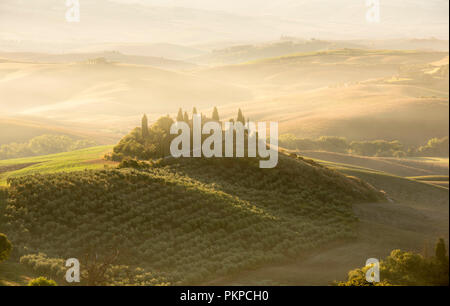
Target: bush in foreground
(42,282)
(5,247)
(406,269)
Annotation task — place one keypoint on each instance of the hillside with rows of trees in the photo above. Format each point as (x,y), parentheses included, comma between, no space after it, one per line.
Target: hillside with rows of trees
(179,221)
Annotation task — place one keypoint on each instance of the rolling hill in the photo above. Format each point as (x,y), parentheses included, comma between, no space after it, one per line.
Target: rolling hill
(243,53)
(415,214)
(240,53)
(406,167)
(132,214)
(358,112)
(178,215)
(308,70)
(293,225)
(21,129)
(90,158)
(358,94)
(153,50)
(106,94)
(242,224)
(110,56)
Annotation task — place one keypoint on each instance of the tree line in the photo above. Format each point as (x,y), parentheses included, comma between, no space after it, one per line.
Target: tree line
(436,147)
(403,268)
(43,145)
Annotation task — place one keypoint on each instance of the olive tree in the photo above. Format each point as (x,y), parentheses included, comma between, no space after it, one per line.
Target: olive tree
(5,247)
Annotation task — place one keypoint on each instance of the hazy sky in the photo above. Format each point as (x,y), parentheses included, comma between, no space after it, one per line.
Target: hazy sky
(321,9)
(200,21)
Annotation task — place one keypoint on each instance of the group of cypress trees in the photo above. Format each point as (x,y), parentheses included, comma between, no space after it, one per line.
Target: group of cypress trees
(184,117)
(154,141)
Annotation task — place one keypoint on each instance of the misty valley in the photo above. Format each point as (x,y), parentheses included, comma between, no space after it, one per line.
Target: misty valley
(224,143)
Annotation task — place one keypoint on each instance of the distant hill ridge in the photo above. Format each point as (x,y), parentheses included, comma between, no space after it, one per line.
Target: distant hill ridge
(110,56)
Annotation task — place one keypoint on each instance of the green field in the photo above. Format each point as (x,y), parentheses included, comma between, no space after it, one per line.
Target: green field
(90,158)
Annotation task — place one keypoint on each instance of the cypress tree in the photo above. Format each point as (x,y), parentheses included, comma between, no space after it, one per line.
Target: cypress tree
(186,117)
(215,114)
(5,247)
(240,117)
(194,111)
(441,252)
(144,127)
(180,115)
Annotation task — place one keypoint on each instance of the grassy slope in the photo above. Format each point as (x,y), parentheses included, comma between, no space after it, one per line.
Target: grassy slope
(440,180)
(405,167)
(90,158)
(430,170)
(430,178)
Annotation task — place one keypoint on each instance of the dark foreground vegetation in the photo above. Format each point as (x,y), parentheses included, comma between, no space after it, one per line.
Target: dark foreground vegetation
(402,268)
(180,221)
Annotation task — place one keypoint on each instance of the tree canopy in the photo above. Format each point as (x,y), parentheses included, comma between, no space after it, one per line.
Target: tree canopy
(406,269)
(42,282)
(5,247)
(215,114)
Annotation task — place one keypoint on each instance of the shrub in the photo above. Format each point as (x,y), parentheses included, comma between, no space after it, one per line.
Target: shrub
(435,147)
(44,265)
(5,247)
(42,281)
(406,269)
